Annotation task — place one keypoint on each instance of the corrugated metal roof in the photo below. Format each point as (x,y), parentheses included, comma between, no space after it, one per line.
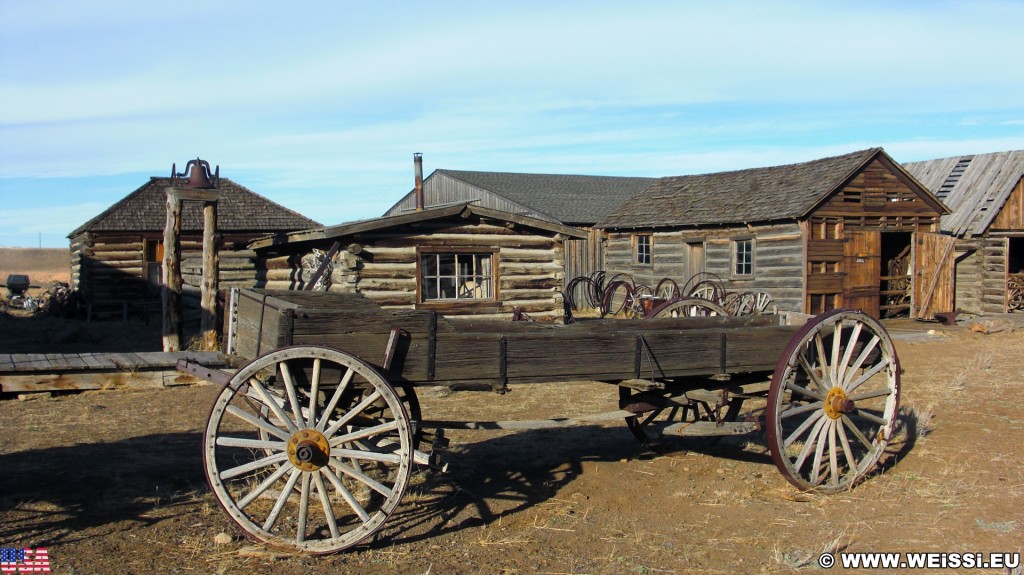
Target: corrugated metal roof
(753,195)
(569,199)
(974,187)
(239,209)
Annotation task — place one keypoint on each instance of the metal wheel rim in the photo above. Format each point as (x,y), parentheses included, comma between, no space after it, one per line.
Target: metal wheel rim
(361,480)
(689,307)
(815,444)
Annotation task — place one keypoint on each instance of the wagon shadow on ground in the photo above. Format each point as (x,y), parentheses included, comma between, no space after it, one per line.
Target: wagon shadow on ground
(509,474)
(54,495)
(57,495)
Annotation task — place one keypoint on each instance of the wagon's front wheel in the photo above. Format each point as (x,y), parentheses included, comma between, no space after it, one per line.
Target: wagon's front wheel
(833,401)
(308,449)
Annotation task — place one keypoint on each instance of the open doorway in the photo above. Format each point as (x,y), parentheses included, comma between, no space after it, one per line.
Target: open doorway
(896,274)
(1015,274)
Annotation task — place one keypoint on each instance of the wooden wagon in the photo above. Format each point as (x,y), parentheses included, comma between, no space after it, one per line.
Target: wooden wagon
(312,442)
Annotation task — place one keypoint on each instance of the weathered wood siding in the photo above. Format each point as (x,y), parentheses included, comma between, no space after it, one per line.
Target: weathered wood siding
(529,268)
(879,199)
(778,259)
(969,259)
(110,269)
(1011,216)
(875,199)
(993,281)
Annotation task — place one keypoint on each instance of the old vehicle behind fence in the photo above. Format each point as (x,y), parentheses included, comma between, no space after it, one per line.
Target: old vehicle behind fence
(311,444)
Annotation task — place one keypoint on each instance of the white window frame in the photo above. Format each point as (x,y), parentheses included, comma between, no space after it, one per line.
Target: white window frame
(743,260)
(474,284)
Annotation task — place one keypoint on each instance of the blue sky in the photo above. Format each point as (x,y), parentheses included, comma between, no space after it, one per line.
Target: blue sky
(320,105)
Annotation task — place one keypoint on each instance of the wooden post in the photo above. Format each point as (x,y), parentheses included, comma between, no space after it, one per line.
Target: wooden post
(171,292)
(211,271)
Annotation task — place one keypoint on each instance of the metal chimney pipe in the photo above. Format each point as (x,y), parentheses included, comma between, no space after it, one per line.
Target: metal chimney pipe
(417,159)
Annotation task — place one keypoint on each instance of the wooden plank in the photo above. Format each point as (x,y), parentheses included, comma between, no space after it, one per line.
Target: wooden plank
(75,361)
(57,361)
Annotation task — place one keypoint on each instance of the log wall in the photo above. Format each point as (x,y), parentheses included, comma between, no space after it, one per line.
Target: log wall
(968,282)
(993,275)
(529,268)
(111,269)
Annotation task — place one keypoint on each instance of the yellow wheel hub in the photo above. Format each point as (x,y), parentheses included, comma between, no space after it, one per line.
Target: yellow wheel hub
(837,403)
(308,449)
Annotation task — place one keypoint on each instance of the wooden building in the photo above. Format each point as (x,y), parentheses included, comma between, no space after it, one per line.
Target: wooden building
(572,200)
(986,195)
(845,231)
(460,260)
(116,257)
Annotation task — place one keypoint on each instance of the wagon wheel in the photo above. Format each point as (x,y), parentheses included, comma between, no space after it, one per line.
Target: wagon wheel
(833,401)
(761,302)
(688,307)
(664,408)
(617,297)
(308,449)
(667,289)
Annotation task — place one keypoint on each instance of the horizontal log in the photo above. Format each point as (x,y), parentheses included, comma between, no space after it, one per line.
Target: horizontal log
(113,255)
(97,247)
(95,265)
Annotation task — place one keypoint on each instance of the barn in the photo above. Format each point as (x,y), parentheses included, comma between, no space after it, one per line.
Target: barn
(571,200)
(116,257)
(461,260)
(854,231)
(985,193)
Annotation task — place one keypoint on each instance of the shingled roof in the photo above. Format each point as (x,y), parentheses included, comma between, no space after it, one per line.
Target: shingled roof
(567,199)
(239,210)
(975,187)
(755,195)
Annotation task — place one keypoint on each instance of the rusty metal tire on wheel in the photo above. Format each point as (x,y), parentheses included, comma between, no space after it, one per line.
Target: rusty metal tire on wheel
(833,401)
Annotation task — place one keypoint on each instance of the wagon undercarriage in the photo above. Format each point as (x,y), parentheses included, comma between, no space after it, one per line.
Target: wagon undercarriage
(311,445)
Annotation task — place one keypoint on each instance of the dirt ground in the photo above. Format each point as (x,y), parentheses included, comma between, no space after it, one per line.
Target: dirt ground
(111,482)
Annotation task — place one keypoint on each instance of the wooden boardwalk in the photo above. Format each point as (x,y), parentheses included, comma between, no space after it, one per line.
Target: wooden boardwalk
(28,372)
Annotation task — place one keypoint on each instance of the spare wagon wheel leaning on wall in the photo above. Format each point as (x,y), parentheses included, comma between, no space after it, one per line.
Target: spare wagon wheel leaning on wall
(308,449)
(833,401)
(688,307)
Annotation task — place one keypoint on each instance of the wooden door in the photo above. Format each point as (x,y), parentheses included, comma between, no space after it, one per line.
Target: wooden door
(933,274)
(862,257)
(695,258)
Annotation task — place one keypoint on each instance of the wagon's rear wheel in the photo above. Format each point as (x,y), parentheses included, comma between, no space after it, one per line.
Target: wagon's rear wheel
(308,449)
(833,401)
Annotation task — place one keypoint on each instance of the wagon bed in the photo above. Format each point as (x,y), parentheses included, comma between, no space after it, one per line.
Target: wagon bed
(311,443)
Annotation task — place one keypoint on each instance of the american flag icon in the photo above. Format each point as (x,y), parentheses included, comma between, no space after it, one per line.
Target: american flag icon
(24,560)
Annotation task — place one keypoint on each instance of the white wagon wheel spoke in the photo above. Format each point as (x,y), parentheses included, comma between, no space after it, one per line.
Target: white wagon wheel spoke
(810,441)
(273,464)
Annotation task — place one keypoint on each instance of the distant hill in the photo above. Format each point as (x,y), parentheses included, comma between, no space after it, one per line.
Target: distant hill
(42,265)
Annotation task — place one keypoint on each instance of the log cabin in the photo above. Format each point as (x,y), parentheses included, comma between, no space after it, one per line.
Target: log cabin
(985,193)
(571,200)
(461,260)
(116,257)
(852,231)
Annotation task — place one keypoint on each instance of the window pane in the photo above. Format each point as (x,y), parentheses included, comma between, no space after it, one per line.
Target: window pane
(455,276)
(447,287)
(446,264)
(744,257)
(429,288)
